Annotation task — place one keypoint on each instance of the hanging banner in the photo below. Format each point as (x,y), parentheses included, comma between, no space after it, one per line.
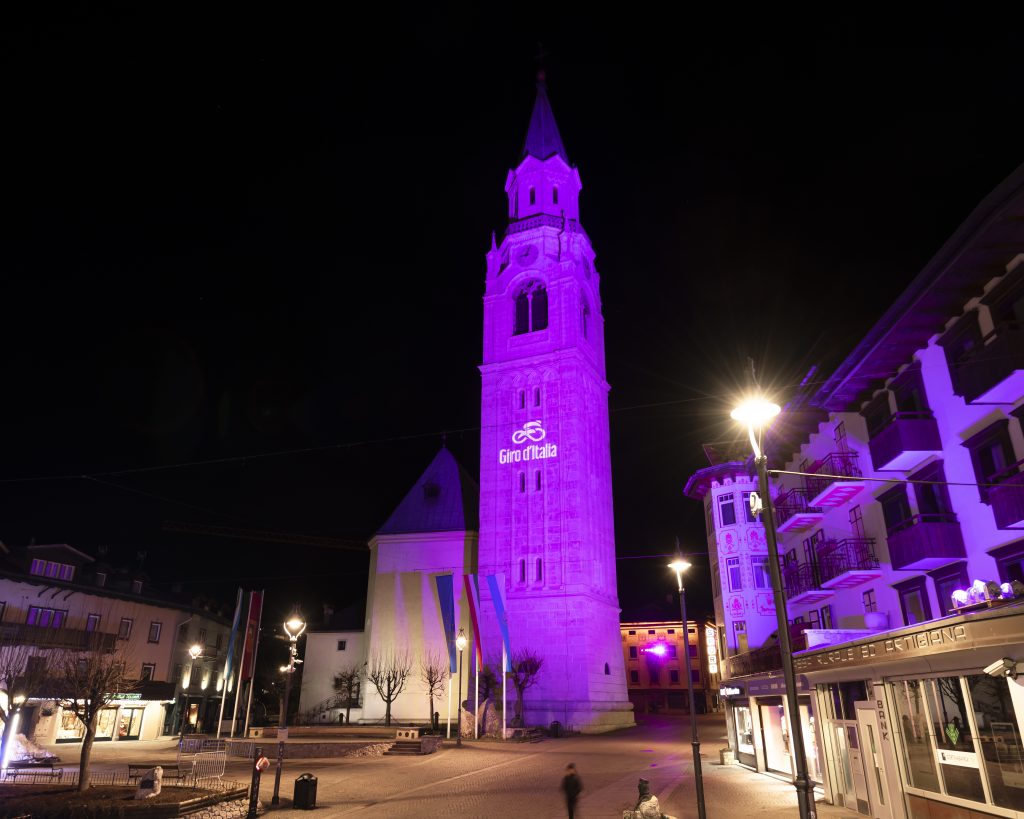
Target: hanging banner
(252,634)
(496,584)
(474,614)
(446,600)
(229,660)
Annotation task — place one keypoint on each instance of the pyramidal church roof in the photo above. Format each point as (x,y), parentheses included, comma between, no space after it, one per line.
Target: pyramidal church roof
(444,499)
(542,137)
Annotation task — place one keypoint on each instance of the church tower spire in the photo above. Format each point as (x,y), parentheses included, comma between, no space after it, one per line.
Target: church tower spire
(546,527)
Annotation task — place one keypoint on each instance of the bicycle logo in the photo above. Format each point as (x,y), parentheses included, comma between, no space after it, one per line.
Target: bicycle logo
(531,431)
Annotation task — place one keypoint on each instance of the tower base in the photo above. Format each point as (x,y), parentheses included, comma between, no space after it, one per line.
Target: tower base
(585,717)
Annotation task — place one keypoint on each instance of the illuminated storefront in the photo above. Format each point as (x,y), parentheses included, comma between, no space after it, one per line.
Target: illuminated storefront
(132,715)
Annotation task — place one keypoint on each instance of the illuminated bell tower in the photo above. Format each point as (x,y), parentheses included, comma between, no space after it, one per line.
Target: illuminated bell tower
(545,469)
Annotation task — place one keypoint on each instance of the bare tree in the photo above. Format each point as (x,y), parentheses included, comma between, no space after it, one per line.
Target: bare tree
(526,666)
(389,671)
(346,683)
(88,679)
(23,670)
(434,670)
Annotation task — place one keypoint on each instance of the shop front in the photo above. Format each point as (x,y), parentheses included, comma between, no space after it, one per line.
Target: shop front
(926,721)
(758,725)
(131,715)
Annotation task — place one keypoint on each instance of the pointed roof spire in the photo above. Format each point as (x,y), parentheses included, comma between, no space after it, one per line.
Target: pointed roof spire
(542,137)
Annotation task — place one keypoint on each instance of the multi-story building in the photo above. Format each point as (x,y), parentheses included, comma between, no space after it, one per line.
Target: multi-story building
(656,666)
(55,597)
(901,487)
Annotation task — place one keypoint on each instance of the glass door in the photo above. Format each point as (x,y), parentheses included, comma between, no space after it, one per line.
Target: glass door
(874,761)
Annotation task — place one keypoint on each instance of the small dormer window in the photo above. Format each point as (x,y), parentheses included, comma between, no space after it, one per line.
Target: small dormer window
(101,579)
(38,567)
(554,195)
(136,587)
(533,196)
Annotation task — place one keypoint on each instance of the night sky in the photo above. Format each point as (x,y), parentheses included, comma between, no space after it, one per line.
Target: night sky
(231,233)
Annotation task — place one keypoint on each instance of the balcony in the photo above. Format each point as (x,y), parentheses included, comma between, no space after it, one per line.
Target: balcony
(846,563)
(803,585)
(834,484)
(993,373)
(1007,499)
(793,513)
(904,442)
(925,542)
(758,661)
(70,638)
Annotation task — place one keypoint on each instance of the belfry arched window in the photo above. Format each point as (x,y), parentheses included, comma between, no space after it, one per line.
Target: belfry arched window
(585,320)
(531,309)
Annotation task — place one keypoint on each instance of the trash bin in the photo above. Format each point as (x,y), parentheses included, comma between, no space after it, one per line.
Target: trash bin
(556,729)
(305,792)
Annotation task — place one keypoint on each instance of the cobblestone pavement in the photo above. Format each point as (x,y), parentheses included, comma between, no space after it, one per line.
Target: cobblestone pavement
(490,779)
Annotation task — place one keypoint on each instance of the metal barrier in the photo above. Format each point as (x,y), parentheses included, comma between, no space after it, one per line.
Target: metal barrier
(241,748)
(208,765)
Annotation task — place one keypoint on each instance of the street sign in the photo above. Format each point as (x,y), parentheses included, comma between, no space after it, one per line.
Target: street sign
(262,763)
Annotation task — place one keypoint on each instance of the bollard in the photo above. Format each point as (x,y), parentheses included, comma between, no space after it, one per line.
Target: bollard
(277,776)
(260,764)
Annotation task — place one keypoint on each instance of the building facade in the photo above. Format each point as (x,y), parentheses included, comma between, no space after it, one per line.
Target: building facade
(656,666)
(900,510)
(55,597)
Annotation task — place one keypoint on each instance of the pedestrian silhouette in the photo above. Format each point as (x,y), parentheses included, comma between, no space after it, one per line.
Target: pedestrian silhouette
(571,787)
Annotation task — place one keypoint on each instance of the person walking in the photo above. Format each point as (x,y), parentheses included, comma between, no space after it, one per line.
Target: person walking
(571,787)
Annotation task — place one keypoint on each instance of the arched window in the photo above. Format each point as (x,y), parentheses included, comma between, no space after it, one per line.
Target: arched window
(540,575)
(536,396)
(538,480)
(533,196)
(531,309)
(522,571)
(585,319)
(522,399)
(607,669)
(554,195)
(522,481)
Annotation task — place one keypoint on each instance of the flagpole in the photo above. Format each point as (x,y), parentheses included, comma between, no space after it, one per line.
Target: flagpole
(449,705)
(476,703)
(227,662)
(238,685)
(252,679)
(504,680)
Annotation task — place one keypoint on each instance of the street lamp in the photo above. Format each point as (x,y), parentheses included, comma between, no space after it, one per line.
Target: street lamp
(17,701)
(194,652)
(460,643)
(679,566)
(756,413)
(294,626)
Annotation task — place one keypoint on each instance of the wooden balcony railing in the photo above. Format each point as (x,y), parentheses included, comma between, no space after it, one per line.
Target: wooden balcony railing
(1007,498)
(835,557)
(70,638)
(989,364)
(926,541)
(904,433)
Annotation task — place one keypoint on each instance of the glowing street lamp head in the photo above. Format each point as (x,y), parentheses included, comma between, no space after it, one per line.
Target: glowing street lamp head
(755,412)
(194,651)
(294,626)
(461,640)
(659,649)
(679,565)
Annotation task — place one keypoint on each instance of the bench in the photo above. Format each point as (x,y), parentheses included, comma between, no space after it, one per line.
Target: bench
(37,769)
(528,734)
(183,771)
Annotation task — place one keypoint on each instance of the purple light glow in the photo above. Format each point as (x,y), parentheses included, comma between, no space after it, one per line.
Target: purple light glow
(660,649)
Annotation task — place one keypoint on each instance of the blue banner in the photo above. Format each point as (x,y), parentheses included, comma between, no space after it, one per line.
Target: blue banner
(231,642)
(499,607)
(446,599)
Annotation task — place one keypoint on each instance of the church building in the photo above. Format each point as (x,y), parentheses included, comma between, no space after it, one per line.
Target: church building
(524,561)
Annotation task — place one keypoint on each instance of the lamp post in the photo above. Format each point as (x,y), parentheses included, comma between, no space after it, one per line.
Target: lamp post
(18,700)
(679,566)
(293,627)
(460,643)
(194,652)
(756,414)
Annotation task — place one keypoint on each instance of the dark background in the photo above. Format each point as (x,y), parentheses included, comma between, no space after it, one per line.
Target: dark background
(235,231)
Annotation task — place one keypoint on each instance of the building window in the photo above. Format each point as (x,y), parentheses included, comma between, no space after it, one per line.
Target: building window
(536,396)
(895,508)
(1010,561)
(607,670)
(694,650)
(651,631)
(826,617)
(673,677)
(92,622)
(732,567)
(554,195)
(220,640)
(202,637)
(933,497)
(136,587)
(154,632)
(958,343)
(537,481)
(38,567)
(857,522)
(869,601)
(632,632)
(148,671)
(947,580)
(748,513)
(634,677)
(531,309)
(101,579)
(522,571)
(842,445)
(585,320)
(671,631)
(183,633)
(540,575)
(632,652)
(125,629)
(522,481)
(914,600)
(522,399)
(762,574)
(533,196)
(992,456)
(672,652)
(46,617)
(342,644)
(727,509)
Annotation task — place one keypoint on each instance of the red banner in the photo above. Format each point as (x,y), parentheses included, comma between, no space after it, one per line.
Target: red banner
(252,634)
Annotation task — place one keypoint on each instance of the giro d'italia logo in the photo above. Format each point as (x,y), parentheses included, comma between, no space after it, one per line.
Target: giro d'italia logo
(531,434)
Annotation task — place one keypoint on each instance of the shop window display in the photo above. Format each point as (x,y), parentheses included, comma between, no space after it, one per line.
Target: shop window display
(71,727)
(744,730)
(1000,739)
(952,732)
(775,732)
(917,747)
(106,723)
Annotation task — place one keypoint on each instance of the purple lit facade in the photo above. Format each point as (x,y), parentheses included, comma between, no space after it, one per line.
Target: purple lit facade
(546,524)
(900,594)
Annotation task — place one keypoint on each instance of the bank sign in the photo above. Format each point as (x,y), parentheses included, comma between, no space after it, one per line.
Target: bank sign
(528,445)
